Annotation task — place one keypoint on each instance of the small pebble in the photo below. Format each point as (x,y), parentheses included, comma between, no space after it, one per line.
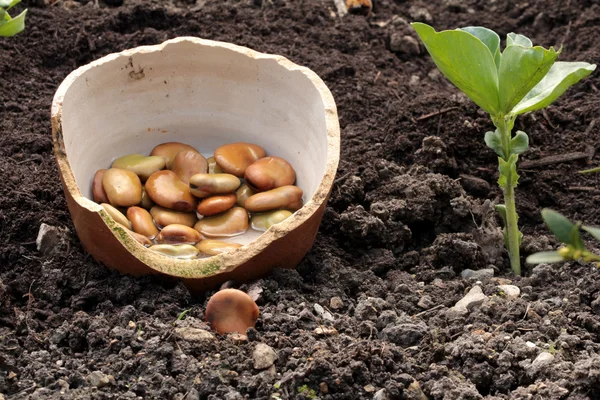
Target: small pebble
(321,312)
(264,356)
(98,379)
(478,274)
(336,303)
(510,291)
(194,334)
(474,298)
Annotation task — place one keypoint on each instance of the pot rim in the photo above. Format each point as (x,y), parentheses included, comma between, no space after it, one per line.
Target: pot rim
(226,262)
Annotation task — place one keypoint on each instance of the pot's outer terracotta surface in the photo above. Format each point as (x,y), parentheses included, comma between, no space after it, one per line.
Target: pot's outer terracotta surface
(283,245)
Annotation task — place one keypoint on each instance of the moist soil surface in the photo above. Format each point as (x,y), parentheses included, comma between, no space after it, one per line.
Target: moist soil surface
(368,313)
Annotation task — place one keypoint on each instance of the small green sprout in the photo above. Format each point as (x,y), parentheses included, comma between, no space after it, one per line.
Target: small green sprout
(181,316)
(10,26)
(570,235)
(522,78)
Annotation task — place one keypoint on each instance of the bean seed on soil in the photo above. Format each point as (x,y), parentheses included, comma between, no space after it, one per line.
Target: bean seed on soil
(231,310)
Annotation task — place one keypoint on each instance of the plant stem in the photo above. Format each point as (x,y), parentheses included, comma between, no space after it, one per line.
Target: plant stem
(512,227)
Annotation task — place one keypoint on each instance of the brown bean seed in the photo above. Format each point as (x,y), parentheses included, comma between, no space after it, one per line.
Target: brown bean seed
(167,190)
(213,168)
(169,150)
(231,223)
(141,222)
(263,221)
(216,204)
(234,158)
(204,185)
(178,234)
(164,217)
(188,163)
(269,173)
(285,197)
(116,215)
(123,188)
(143,166)
(139,238)
(242,194)
(213,247)
(146,202)
(231,310)
(97,188)
(185,251)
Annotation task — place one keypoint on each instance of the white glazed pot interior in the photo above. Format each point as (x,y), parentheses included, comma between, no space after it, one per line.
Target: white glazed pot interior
(201,93)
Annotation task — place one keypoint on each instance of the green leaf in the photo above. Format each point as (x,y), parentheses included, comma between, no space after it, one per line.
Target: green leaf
(544,257)
(3,16)
(465,61)
(508,171)
(520,143)
(514,39)
(590,171)
(560,77)
(489,38)
(564,230)
(7,4)
(14,26)
(493,140)
(595,232)
(520,70)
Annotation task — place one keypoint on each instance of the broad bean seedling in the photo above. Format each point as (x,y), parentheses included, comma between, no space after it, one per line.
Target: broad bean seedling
(570,235)
(11,26)
(505,84)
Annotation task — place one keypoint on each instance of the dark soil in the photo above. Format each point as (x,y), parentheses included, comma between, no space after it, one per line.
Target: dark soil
(406,216)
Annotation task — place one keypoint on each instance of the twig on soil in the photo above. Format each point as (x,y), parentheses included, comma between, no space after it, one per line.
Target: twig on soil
(588,189)
(427,311)
(436,113)
(590,127)
(377,76)
(526,312)
(341,178)
(547,118)
(567,32)
(550,160)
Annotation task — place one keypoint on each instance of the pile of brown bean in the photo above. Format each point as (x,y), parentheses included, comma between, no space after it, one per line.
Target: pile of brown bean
(178,203)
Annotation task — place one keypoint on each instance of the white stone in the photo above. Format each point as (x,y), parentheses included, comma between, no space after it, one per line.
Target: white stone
(511,291)
(264,356)
(194,334)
